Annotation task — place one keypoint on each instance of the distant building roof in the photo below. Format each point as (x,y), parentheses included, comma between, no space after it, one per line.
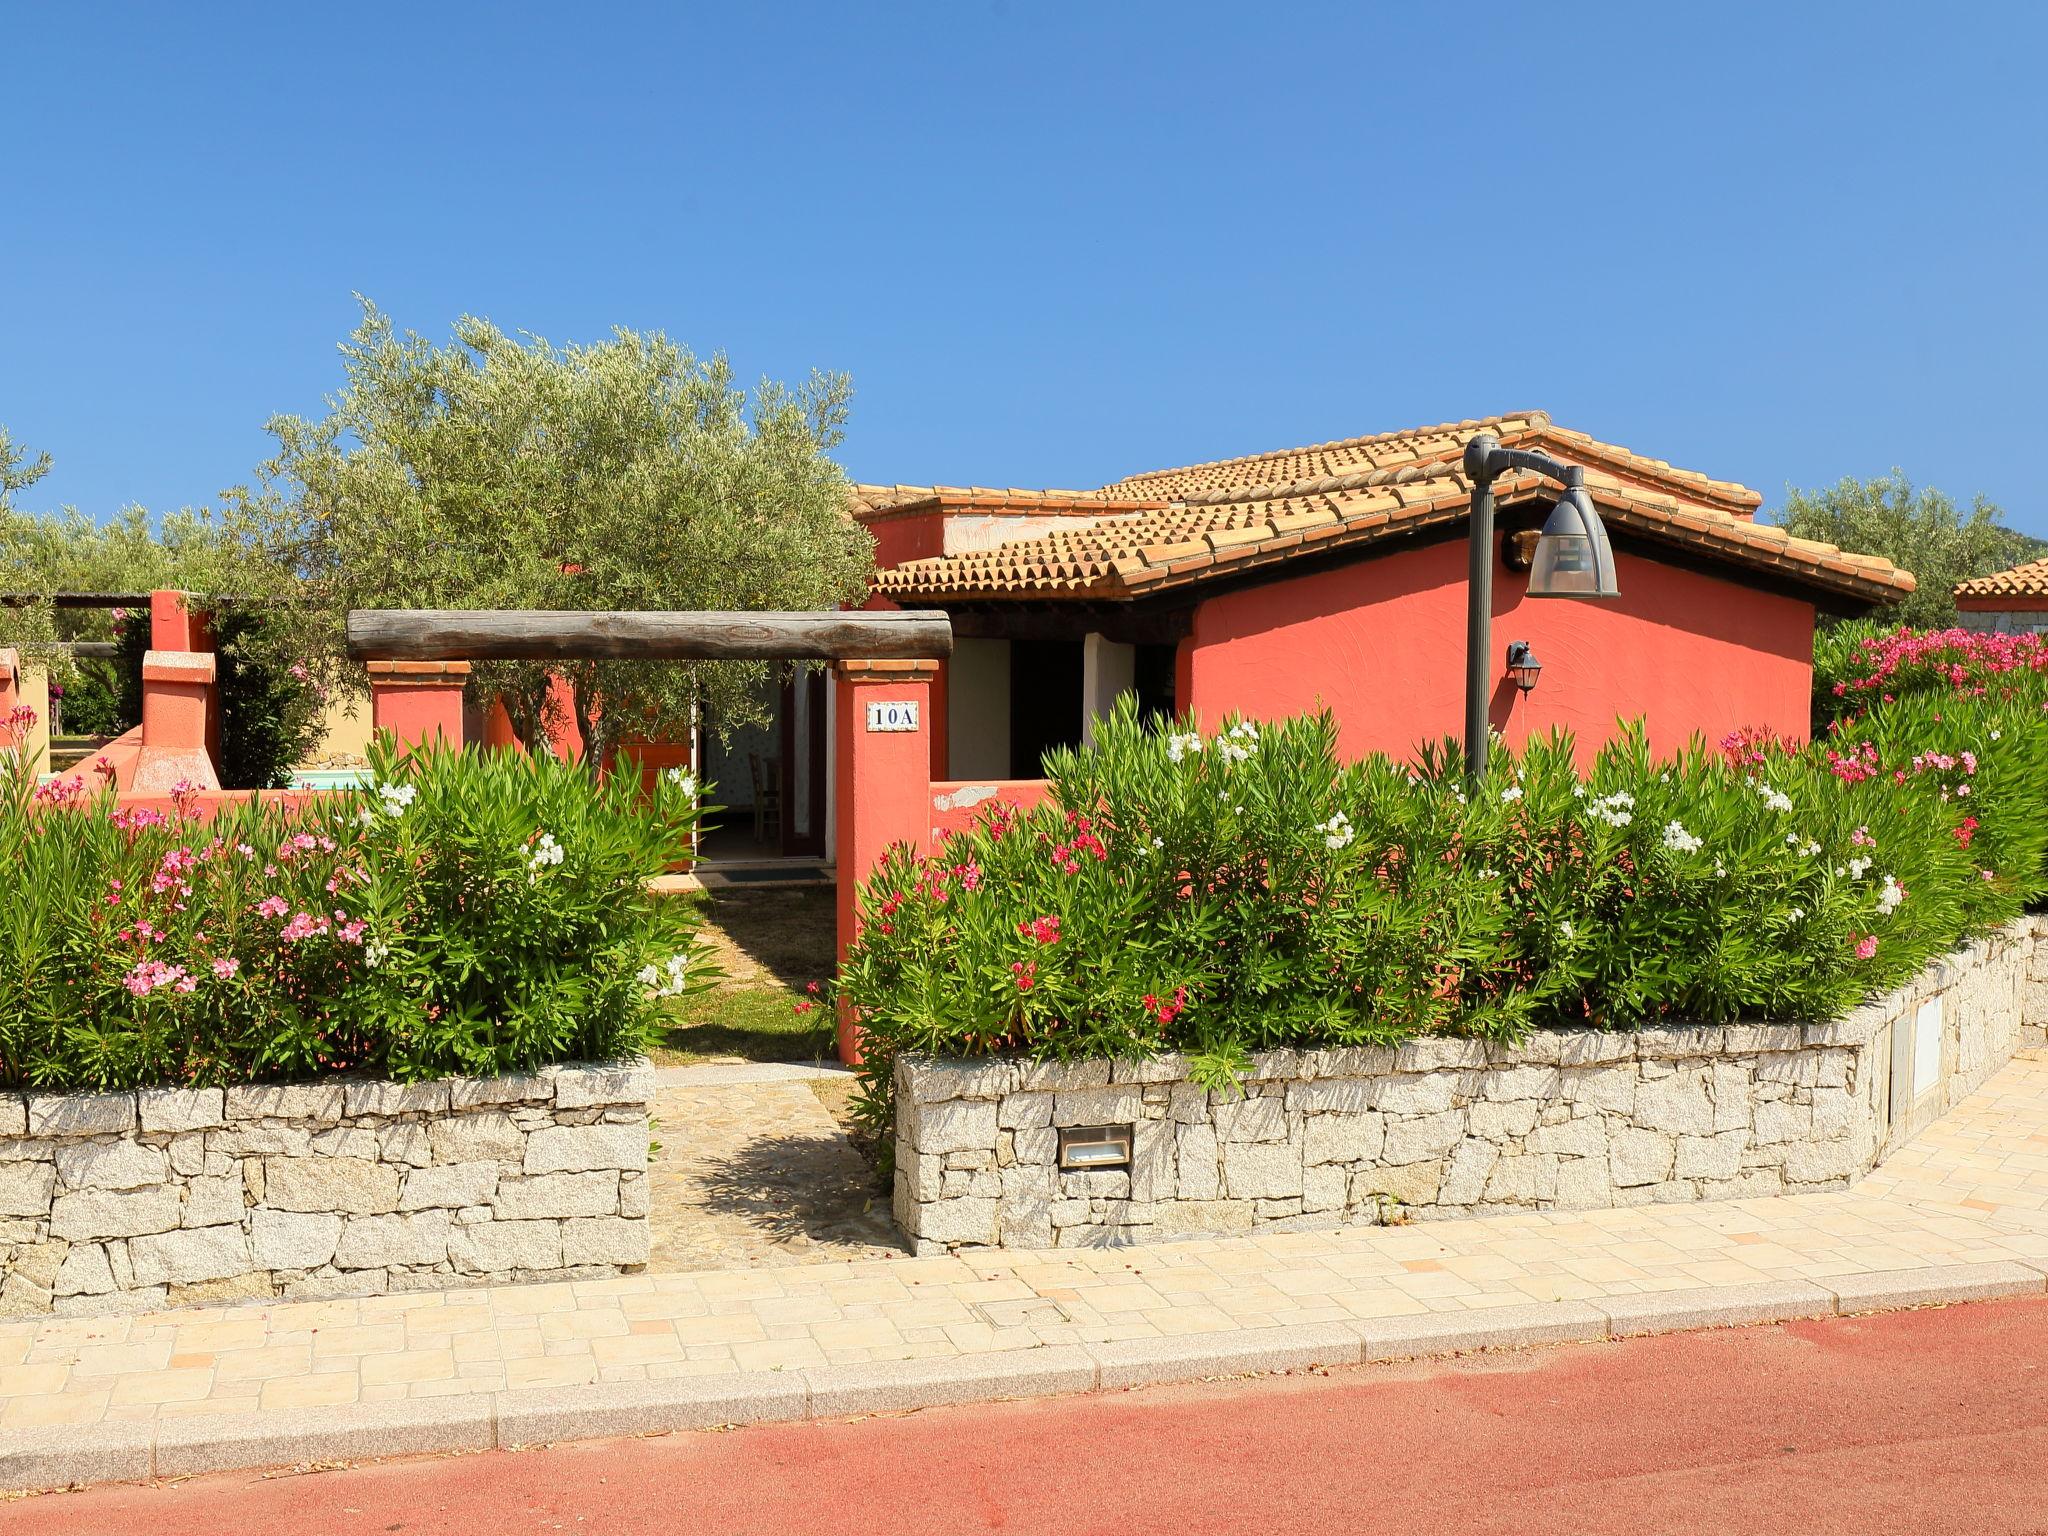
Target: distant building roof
(2029,580)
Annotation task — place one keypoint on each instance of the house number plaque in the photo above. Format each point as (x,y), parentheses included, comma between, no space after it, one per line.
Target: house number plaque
(897,715)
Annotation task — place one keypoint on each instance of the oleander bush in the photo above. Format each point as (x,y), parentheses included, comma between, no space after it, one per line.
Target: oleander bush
(1858,665)
(1226,893)
(463,913)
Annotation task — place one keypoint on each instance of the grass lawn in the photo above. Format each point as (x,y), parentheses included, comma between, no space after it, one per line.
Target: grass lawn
(769,944)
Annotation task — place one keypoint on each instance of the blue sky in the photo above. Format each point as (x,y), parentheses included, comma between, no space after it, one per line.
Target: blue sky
(1053,244)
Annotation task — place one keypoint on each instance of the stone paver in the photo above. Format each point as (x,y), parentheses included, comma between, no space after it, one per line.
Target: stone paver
(1964,1194)
(751,1170)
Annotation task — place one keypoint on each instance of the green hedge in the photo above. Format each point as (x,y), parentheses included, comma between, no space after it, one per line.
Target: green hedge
(1244,890)
(463,914)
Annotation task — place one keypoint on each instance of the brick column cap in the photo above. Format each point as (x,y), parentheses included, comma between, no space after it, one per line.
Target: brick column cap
(420,673)
(899,669)
(178,666)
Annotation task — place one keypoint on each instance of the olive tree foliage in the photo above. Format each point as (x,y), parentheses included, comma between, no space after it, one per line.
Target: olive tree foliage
(501,471)
(43,553)
(1917,528)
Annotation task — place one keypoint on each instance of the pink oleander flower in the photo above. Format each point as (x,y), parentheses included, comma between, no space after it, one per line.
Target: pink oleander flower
(1866,946)
(1045,930)
(226,967)
(304,925)
(272,906)
(148,976)
(61,792)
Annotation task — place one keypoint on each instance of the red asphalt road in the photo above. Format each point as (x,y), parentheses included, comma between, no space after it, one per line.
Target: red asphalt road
(1930,1421)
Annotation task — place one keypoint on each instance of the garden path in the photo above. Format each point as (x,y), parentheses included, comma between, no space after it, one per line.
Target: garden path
(751,1169)
(1971,1190)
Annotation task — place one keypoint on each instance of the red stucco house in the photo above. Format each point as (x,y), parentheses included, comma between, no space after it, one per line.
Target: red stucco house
(1335,575)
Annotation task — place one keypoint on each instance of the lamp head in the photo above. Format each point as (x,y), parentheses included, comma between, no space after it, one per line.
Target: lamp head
(1573,557)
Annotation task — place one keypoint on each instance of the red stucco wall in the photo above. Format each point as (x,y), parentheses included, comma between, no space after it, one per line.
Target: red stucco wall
(1382,642)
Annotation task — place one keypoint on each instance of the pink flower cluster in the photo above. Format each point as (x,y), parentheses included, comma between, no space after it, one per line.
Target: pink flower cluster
(152,974)
(1961,658)
(1045,930)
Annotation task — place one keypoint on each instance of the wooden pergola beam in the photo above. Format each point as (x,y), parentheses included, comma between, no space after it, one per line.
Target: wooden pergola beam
(75,599)
(451,634)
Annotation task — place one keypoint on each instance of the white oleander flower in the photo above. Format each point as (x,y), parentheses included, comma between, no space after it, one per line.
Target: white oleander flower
(1858,868)
(1617,809)
(1889,895)
(397,797)
(1337,832)
(1678,840)
(1511,794)
(667,979)
(1773,798)
(375,953)
(683,779)
(1565,930)
(1179,746)
(542,855)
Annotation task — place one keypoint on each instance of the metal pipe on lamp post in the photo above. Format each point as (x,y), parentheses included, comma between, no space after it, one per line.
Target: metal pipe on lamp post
(1572,559)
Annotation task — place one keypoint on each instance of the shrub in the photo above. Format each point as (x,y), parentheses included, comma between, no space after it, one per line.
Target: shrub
(466,914)
(269,716)
(1858,665)
(1224,894)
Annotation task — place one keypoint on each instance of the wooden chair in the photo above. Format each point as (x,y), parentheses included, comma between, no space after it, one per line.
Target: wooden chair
(767,798)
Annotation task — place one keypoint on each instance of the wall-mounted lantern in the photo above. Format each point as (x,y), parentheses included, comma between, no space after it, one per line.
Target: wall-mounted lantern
(1094,1148)
(1523,666)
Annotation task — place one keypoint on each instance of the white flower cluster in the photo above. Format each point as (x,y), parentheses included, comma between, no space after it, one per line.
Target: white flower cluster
(375,953)
(1806,847)
(1617,809)
(1337,832)
(1511,794)
(1179,746)
(1857,868)
(668,978)
(682,778)
(1889,896)
(1678,840)
(1565,930)
(543,853)
(1236,746)
(1775,799)
(397,797)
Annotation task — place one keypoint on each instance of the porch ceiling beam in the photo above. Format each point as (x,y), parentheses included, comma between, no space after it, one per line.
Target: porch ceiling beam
(448,634)
(1121,622)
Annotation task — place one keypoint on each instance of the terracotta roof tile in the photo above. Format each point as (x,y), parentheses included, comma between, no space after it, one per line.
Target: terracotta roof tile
(2029,580)
(1219,532)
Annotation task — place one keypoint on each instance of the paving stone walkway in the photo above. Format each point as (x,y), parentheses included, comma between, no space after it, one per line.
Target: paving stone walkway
(750,1169)
(1970,1191)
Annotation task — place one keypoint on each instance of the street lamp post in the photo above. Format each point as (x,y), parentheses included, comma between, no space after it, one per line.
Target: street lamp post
(1572,559)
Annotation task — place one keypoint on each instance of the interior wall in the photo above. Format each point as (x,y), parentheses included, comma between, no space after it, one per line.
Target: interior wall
(977,678)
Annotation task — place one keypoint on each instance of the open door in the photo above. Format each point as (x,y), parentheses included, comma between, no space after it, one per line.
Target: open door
(802,721)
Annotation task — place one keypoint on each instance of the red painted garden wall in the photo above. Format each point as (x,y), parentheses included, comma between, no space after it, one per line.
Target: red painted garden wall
(1382,643)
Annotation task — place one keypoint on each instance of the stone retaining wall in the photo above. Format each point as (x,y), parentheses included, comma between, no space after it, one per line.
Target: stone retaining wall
(349,1187)
(1570,1120)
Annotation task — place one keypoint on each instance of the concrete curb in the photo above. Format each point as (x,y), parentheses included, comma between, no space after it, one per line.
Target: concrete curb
(187,1444)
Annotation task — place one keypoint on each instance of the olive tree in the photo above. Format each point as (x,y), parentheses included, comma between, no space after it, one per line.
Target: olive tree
(501,471)
(1917,528)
